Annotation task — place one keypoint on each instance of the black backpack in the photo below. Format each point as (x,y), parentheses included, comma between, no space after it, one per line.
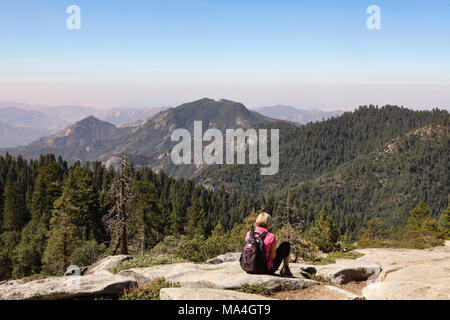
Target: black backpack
(253,257)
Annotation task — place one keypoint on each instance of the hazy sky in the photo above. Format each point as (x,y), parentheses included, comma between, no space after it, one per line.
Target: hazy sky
(153,53)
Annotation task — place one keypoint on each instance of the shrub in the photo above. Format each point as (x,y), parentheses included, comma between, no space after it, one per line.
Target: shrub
(168,246)
(300,247)
(375,235)
(199,249)
(444,222)
(420,230)
(375,230)
(236,237)
(191,249)
(320,278)
(324,234)
(148,292)
(87,254)
(254,289)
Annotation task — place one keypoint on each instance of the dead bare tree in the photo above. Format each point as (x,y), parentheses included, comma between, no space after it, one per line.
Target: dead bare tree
(116,219)
(285,219)
(290,224)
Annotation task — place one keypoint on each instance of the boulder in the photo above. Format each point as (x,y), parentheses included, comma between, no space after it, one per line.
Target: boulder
(66,287)
(227,257)
(97,281)
(344,270)
(206,294)
(75,271)
(388,256)
(227,275)
(105,264)
(410,273)
(424,280)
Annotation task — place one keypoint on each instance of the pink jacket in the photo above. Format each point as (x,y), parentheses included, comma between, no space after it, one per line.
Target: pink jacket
(269,241)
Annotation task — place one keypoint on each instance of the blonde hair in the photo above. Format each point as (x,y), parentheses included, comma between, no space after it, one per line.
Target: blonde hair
(264,220)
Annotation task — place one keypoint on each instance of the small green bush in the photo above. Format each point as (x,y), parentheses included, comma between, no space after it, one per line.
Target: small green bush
(419,231)
(320,278)
(168,246)
(199,249)
(254,289)
(150,291)
(87,254)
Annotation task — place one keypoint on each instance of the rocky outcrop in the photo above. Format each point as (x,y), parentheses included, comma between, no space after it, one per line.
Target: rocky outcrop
(227,275)
(66,287)
(206,294)
(105,264)
(344,271)
(410,274)
(97,281)
(227,257)
(390,274)
(424,281)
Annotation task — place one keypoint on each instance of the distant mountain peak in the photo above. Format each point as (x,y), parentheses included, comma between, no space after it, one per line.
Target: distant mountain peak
(80,133)
(92,121)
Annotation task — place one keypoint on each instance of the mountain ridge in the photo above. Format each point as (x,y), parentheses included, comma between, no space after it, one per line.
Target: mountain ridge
(48,120)
(82,132)
(151,136)
(301,116)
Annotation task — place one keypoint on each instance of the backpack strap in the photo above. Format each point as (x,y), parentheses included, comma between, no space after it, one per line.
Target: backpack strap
(263,235)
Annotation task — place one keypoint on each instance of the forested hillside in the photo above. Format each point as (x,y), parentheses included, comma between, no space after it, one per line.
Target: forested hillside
(374,161)
(51,214)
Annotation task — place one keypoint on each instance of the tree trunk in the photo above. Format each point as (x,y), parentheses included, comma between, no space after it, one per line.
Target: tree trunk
(123,231)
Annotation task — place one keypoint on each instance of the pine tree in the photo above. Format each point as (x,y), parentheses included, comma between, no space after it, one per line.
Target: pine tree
(8,241)
(178,217)
(74,219)
(444,222)
(145,227)
(34,235)
(420,229)
(14,213)
(375,231)
(323,233)
(374,234)
(1,207)
(196,220)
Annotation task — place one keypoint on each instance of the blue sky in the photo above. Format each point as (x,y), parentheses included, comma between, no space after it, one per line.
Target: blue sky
(152,53)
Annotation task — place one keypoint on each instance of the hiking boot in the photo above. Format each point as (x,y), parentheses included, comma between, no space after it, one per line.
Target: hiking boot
(285,272)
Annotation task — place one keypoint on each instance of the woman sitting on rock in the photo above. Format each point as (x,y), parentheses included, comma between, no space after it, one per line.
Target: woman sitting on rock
(274,255)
